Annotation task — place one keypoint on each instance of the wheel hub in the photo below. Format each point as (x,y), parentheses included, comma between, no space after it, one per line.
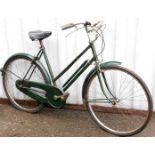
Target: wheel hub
(115,101)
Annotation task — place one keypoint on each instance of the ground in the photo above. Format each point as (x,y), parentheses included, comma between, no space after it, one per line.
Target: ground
(54,122)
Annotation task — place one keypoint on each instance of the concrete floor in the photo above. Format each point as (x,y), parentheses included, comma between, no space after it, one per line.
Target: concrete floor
(52,122)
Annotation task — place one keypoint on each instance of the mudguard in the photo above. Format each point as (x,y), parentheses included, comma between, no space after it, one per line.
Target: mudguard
(37,62)
(109,64)
(93,71)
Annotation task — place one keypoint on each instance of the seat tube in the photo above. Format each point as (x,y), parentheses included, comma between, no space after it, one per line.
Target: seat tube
(47,62)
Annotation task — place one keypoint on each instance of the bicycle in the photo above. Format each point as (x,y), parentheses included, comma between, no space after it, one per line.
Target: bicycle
(117,99)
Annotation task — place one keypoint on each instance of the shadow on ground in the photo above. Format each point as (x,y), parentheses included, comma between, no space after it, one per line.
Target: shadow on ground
(52,122)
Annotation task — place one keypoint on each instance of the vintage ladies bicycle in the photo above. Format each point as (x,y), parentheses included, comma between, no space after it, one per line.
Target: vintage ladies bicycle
(117,99)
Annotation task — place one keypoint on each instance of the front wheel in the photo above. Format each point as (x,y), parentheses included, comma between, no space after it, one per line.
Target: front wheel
(124,106)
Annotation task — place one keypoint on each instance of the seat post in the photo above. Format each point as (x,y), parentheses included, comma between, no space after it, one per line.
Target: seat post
(41,44)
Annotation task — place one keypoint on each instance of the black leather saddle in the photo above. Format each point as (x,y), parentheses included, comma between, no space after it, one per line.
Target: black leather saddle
(39,35)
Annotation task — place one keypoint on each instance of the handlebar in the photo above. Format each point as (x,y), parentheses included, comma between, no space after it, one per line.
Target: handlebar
(67,26)
(95,24)
(71,25)
(90,28)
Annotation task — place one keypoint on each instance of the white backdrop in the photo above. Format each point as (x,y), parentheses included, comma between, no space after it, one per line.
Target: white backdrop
(100,9)
(129,40)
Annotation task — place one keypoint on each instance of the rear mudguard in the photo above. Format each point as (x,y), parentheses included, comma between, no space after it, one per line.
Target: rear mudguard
(43,69)
(93,71)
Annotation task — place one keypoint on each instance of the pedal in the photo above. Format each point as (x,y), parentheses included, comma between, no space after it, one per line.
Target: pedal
(62,97)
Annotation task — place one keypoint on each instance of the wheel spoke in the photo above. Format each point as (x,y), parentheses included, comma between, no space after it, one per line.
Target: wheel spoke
(126,114)
(15,70)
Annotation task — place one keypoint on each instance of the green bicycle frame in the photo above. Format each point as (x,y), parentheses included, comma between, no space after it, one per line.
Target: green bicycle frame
(75,75)
(79,70)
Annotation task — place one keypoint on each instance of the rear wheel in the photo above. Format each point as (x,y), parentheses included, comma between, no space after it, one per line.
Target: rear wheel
(14,69)
(128,108)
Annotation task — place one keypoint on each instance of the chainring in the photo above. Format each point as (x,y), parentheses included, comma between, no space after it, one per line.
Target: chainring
(56,103)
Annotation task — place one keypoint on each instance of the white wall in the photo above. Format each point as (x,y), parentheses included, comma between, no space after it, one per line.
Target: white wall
(129,35)
(129,40)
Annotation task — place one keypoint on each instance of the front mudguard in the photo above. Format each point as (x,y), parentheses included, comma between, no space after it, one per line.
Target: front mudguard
(93,72)
(43,69)
(110,64)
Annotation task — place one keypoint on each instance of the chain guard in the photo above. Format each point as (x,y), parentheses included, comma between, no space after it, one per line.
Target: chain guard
(28,88)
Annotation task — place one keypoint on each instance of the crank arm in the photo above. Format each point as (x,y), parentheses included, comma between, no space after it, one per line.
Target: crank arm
(61,97)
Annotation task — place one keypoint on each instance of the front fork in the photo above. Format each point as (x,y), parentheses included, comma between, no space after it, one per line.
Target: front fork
(100,76)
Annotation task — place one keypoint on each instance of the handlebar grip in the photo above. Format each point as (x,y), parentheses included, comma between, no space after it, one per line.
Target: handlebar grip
(67,26)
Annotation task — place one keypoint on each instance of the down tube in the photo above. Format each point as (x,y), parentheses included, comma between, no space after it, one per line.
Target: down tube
(76,76)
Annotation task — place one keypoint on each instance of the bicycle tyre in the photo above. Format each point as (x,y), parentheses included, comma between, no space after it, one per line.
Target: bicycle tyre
(112,115)
(17,103)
